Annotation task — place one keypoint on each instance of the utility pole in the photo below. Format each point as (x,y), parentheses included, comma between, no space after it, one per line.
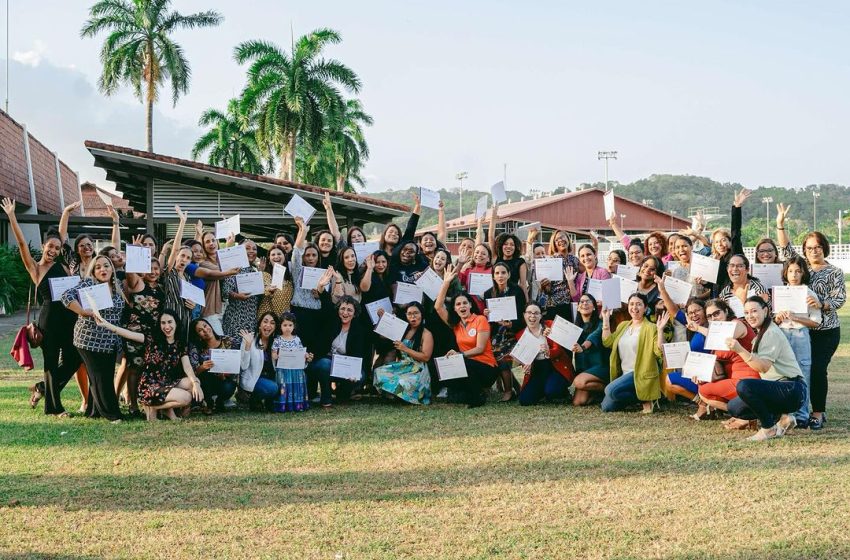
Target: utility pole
(768,200)
(606,156)
(460,177)
(815,197)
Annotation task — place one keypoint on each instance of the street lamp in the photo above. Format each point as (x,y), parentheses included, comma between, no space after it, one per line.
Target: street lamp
(768,200)
(460,177)
(815,197)
(606,156)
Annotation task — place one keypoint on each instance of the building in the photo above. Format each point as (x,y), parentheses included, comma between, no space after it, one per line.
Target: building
(96,199)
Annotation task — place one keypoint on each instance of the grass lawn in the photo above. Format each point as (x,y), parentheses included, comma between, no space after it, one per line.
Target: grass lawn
(385,481)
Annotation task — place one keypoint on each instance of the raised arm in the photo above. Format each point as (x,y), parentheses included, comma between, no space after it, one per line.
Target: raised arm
(740,198)
(199,231)
(782,237)
(366,280)
(120,331)
(63,220)
(440,303)
(178,237)
(23,246)
(479,232)
(618,233)
(413,221)
(665,297)
(333,227)
(301,236)
(441,222)
(116,227)
(491,230)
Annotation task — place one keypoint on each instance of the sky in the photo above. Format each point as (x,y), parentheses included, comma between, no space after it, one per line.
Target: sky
(752,92)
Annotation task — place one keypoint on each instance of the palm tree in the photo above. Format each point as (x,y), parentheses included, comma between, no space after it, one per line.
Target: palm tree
(293,92)
(231,141)
(139,51)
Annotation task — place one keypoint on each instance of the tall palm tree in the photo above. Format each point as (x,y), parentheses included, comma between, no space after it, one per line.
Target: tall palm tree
(139,50)
(293,92)
(231,141)
(347,141)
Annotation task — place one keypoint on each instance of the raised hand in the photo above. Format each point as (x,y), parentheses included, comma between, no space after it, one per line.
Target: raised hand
(71,207)
(182,215)
(662,321)
(8,206)
(449,274)
(326,201)
(112,212)
(370,262)
(247,337)
(199,228)
(781,214)
(570,274)
(137,239)
(741,197)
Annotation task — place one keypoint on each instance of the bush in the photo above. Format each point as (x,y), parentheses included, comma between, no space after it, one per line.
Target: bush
(14,279)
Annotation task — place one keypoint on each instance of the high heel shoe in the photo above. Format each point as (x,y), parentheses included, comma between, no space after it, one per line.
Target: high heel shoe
(653,406)
(703,411)
(36,393)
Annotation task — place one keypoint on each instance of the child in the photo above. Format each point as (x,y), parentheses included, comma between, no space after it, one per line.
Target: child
(291,382)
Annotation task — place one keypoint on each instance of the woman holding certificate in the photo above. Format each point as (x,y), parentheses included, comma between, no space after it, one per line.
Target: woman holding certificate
(217,387)
(257,374)
(727,242)
(592,359)
(779,390)
(479,264)
(741,285)
(508,249)
(472,335)
(306,302)
(579,282)
(827,281)
(503,330)
(346,276)
(407,376)
(634,363)
(276,300)
(241,311)
(173,272)
(559,297)
(684,251)
(551,372)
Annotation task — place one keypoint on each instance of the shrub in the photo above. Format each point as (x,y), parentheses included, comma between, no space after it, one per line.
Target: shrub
(14,279)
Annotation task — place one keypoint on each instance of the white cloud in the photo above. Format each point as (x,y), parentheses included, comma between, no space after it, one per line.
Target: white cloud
(31,57)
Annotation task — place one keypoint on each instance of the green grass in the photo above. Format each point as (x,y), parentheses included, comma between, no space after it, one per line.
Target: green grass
(392,481)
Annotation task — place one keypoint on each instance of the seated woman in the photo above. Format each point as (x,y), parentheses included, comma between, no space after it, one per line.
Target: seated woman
(779,389)
(694,318)
(551,372)
(167,380)
(405,374)
(503,333)
(257,374)
(591,357)
(217,387)
(634,362)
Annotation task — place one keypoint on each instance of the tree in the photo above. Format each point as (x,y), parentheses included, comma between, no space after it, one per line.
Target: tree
(293,92)
(232,140)
(139,50)
(347,141)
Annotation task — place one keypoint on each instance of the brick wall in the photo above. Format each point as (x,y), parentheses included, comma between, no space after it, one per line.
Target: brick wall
(13,164)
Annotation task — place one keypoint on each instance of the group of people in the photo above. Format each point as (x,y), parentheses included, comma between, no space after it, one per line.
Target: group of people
(771,375)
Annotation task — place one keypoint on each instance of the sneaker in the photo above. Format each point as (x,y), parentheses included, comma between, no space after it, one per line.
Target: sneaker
(443,394)
(229,404)
(787,422)
(815,423)
(764,434)
(316,400)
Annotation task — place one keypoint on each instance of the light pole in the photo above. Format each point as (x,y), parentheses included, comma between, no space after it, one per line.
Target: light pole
(460,177)
(840,220)
(606,156)
(768,200)
(815,197)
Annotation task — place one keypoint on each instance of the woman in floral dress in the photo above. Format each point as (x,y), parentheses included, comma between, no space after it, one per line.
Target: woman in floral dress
(407,377)
(241,312)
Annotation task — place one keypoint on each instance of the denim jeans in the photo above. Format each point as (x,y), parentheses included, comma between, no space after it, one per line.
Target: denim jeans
(319,372)
(801,344)
(265,391)
(766,400)
(620,393)
(544,381)
(213,386)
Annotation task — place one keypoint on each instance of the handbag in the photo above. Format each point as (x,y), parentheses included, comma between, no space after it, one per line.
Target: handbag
(34,335)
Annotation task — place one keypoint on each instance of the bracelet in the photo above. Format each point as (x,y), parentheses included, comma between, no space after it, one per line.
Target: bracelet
(780,229)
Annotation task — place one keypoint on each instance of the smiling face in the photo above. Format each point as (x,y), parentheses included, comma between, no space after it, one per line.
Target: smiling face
(501,275)
(168,325)
(349,259)
(357,236)
(428,244)
(210,243)
(683,251)
(754,314)
(311,257)
(440,261)
(284,244)
(587,258)
(408,253)
(325,243)
(648,270)
(585,306)
(51,249)
(635,255)
(737,270)
(204,332)
(720,243)
(540,252)
(637,309)
(267,325)
(613,262)
(562,243)
(466,245)
(346,313)
(198,252)
(480,256)
(813,250)
(153,276)
(654,246)
(392,234)
(150,243)
(714,313)
(462,306)
(381,264)
(102,270)
(696,313)
(251,250)
(414,316)
(532,316)
(277,256)
(765,253)
(508,248)
(671,244)
(85,248)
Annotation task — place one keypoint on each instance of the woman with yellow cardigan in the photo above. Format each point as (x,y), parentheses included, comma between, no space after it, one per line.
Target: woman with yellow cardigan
(635,359)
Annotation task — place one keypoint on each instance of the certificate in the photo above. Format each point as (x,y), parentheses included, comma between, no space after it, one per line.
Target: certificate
(502,309)
(678,290)
(430,282)
(97,296)
(718,332)
(627,288)
(790,298)
(549,268)
(605,291)
(450,367)
(704,267)
(564,333)
(497,191)
(138,260)
(675,354)
(527,348)
(672,266)
(297,207)
(310,277)
(278,274)
(372,308)
(479,283)
(62,284)
(346,367)
(736,306)
(429,198)
(226,228)
(699,365)
(192,293)
(363,250)
(769,275)
(250,283)
(627,271)
(391,327)
(481,208)
(225,361)
(292,358)
(232,257)
(405,293)
(522,231)
(608,205)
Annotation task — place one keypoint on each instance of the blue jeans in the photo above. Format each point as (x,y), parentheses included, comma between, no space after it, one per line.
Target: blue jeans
(544,381)
(265,391)
(620,393)
(765,400)
(319,372)
(801,344)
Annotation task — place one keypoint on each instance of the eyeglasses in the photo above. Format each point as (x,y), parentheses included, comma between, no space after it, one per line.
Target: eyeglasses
(814,248)
(715,314)
(585,302)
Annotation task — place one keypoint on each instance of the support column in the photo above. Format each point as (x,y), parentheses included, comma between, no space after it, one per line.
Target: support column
(59,181)
(149,205)
(33,209)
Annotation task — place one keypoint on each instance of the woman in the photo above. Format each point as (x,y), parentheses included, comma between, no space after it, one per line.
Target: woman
(355,235)
(650,267)
(480,263)
(615,259)
(241,311)
(508,249)
(257,374)
(173,272)
(343,335)
(503,333)
(551,372)
(725,243)
(592,358)
(428,245)
(579,283)
(167,381)
(779,389)
(472,335)
(634,366)
(655,245)
(694,317)
(374,283)
(306,302)
(61,359)
(741,285)
(634,252)
(392,236)
(407,376)
(767,252)
(149,241)
(827,281)
(406,263)
(346,276)
(684,251)
(440,332)
(217,387)
(97,345)
(276,300)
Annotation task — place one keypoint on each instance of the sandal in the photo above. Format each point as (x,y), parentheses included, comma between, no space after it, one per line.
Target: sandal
(36,394)
(703,412)
(740,424)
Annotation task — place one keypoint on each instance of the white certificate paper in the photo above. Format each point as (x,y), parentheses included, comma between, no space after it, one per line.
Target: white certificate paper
(62,284)
(451,367)
(678,290)
(718,332)
(372,308)
(527,348)
(429,198)
(232,257)
(97,296)
(549,268)
(346,367)
(699,365)
(736,306)
(498,192)
(605,291)
(608,205)
(704,267)
(292,358)
(481,208)
(363,250)
(627,288)
(226,227)
(192,293)
(502,309)
(479,283)
(627,271)
(405,293)
(138,260)
(769,275)
(297,207)
(310,277)
(250,283)
(391,327)
(225,361)
(564,333)
(430,282)
(790,298)
(522,231)
(675,354)
(278,275)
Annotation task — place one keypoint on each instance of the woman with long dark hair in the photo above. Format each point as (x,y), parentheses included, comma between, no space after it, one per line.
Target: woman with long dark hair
(551,372)
(503,333)
(405,374)
(591,356)
(217,387)
(257,373)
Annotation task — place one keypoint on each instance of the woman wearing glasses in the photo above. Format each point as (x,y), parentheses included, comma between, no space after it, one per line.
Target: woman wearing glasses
(549,375)
(827,281)
(741,285)
(767,252)
(591,357)
(559,292)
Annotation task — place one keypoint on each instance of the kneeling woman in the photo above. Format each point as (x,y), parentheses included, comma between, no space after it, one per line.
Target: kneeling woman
(167,380)
(634,363)
(780,390)
(406,374)
(551,372)
(218,387)
(591,357)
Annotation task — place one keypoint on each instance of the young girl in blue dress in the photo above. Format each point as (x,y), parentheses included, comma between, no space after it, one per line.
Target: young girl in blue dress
(292,383)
